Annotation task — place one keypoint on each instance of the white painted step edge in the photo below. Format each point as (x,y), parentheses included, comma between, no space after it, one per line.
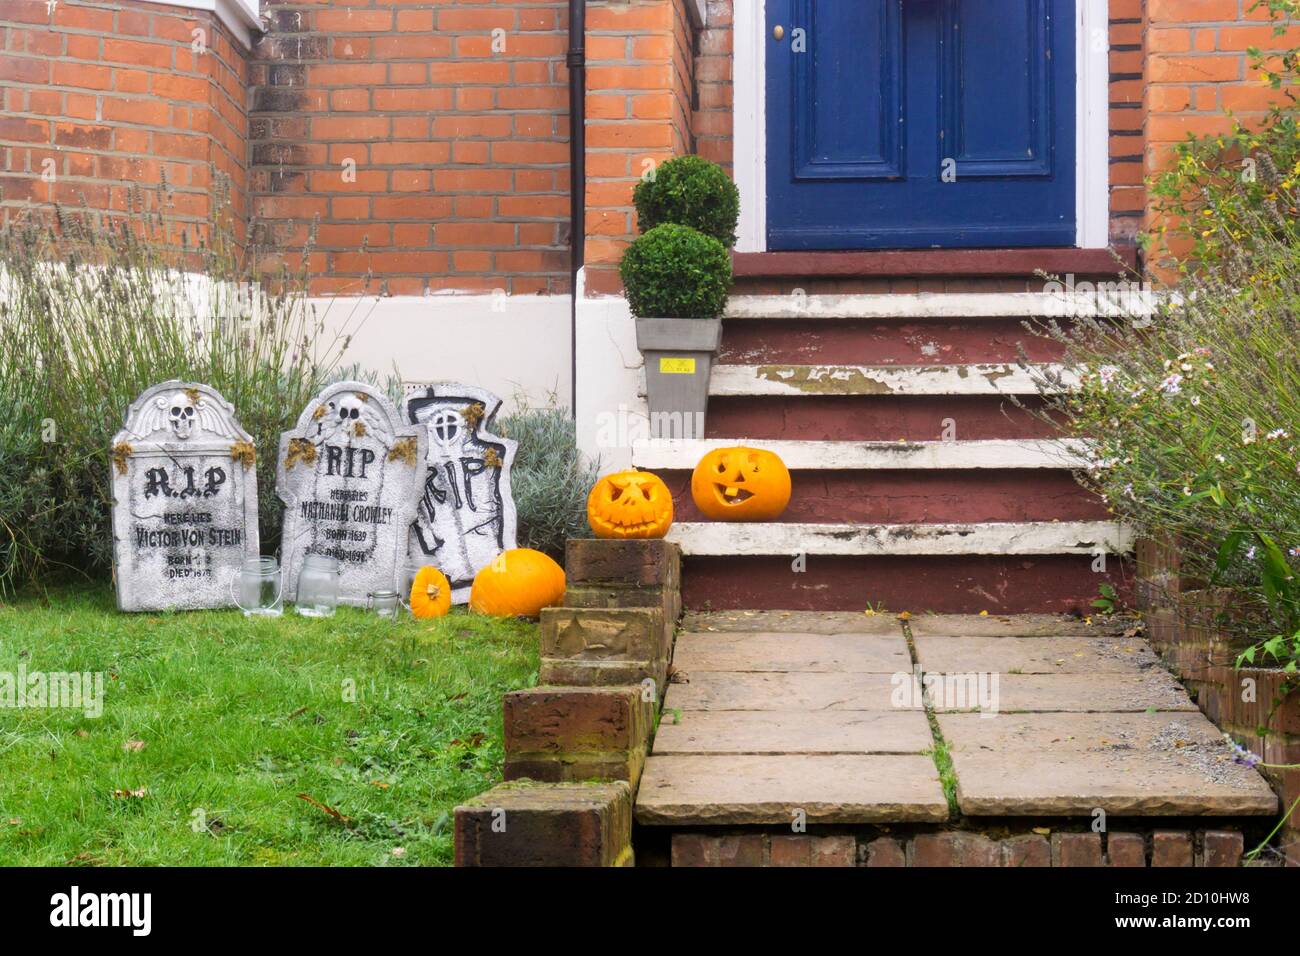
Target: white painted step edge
(844,380)
(1030,538)
(1106,301)
(684,454)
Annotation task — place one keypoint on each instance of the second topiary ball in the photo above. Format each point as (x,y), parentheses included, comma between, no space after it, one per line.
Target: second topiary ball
(690,191)
(675,272)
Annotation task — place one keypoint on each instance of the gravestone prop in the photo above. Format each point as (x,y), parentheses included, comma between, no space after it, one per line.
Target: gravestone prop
(184,481)
(466,515)
(350,475)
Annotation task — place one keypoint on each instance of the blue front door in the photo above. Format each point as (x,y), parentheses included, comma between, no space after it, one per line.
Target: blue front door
(905,124)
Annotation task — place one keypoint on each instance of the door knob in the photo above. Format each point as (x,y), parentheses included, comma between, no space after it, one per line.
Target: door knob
(778,32)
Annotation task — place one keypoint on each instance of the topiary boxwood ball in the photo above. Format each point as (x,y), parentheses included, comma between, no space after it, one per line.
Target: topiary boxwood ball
(690,191)
(675,272)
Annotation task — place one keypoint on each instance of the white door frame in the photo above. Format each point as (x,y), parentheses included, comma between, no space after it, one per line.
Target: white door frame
(1092,113)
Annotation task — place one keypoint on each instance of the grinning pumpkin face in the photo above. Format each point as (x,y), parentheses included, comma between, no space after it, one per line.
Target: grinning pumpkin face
(741,484)
(630,504)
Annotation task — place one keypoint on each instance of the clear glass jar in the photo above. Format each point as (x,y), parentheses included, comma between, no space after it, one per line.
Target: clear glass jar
(258,588)
(318,586)
(384,604)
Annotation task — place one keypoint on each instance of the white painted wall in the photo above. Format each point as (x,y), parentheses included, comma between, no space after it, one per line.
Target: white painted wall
(516,346)
(612,412)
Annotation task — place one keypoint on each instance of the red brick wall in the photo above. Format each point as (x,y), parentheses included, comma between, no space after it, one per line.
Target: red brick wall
(460,149)
(640,94)
(113,94)
(1198,70)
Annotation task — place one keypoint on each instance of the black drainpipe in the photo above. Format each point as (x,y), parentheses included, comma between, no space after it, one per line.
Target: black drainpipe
(576,61)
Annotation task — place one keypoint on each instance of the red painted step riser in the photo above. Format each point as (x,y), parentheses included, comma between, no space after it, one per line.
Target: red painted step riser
(872,418)
(952,585)
(901,497)
(962,342)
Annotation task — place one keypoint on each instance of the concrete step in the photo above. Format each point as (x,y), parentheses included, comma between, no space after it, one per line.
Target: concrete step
(929,540)
(754,734)
(737,789)
(932,305)
(872,380)
(674,455)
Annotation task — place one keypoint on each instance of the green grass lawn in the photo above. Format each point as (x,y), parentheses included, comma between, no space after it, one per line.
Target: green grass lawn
(213,725)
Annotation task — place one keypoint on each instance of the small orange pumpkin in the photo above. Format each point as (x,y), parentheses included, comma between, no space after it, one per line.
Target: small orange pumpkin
(741,484)
(630,504)
(517,583)
(430,593)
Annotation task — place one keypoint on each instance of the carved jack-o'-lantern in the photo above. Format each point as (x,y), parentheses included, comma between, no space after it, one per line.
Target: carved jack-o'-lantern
(630,504)
(741,484)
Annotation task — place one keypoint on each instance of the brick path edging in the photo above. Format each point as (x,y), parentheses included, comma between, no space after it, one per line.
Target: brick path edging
(576,745)
(1157,848)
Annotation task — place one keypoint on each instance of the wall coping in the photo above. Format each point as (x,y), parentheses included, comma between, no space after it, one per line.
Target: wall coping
(242,17)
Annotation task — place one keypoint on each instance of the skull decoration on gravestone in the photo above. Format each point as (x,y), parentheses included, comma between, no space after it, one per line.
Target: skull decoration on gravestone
(466,515)
(184,499)
(350,474)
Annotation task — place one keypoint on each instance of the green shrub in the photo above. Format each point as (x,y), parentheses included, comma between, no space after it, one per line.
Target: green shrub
(690,191)
(1194,419)
(550,478)
(93,312)
(676,272)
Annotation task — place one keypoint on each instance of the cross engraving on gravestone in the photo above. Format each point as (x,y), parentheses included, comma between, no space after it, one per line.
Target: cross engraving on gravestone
(184,482)
(350,474)
(466,515)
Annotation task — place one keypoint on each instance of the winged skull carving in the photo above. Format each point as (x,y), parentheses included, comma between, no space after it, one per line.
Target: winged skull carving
(182,412)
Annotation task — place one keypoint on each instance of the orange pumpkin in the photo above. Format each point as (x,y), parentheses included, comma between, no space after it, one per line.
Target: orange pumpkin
(741,484)
(430,593)
(517,583)
(630,504)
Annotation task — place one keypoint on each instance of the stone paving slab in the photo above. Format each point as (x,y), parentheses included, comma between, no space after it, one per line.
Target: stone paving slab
(1035,655)
(848,653)
(776,691)
(793,732)
(1012,625)
(1075,693)
(1069,764)
(799,622)
(755,790)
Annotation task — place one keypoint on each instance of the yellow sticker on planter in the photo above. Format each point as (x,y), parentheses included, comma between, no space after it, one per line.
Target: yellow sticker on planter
(677,366)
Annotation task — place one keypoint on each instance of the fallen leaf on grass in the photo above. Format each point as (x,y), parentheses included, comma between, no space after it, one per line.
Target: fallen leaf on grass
(133,746)
(379,783)
(130,794)
(326,808)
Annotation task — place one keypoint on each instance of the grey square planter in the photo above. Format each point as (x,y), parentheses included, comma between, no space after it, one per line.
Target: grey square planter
(678,359)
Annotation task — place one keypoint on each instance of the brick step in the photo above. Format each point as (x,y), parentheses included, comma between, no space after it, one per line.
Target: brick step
(962,584)
(920,497)
(874,418)
(869,380)
(944,341)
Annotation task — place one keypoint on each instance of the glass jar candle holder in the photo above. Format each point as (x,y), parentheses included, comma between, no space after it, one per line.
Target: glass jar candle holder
(318,586)
(258,588)
(384,604)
